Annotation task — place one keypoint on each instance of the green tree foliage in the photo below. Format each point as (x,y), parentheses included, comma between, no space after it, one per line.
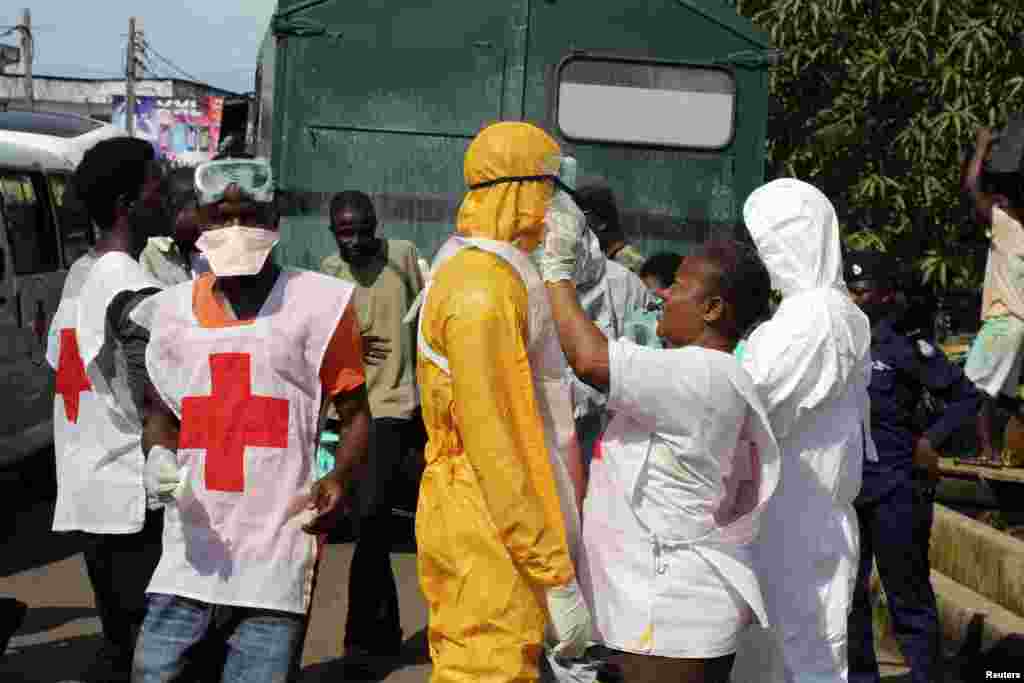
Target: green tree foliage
(876,101)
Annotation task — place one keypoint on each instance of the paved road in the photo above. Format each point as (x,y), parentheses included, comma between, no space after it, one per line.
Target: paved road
(61,631)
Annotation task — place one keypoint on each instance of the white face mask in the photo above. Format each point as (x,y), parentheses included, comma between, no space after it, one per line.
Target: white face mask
(237,249)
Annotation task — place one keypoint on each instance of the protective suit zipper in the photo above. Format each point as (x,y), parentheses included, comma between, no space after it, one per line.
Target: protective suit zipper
(660,566)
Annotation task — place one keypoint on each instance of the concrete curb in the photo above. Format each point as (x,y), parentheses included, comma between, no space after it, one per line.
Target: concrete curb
(978,557)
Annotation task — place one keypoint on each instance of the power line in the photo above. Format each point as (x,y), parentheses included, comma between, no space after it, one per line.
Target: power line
(165,60)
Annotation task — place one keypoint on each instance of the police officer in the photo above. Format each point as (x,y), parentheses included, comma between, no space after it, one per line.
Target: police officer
(895,505)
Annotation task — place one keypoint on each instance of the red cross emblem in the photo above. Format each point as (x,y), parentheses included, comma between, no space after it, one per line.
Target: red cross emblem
(71,377)
(598,453)
(229,419)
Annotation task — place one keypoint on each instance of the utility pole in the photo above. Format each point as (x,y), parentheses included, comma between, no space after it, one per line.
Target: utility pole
(26,55)
(129,82)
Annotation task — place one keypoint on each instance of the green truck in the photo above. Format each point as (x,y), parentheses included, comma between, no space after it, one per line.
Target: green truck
(666,101)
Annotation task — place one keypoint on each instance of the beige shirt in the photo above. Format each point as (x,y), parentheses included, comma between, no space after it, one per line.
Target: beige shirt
(1004,271)
(163,261)
(629,257)
(384,291)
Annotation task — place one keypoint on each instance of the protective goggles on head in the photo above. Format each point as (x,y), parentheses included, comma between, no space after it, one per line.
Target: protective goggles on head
(255,205)
(561,172)
(252,176)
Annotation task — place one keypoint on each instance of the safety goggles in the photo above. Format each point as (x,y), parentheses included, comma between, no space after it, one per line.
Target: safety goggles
(252,176)
(561,172)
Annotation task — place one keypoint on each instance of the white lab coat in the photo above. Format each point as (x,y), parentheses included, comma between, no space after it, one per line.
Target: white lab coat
(678,484)
(811,364)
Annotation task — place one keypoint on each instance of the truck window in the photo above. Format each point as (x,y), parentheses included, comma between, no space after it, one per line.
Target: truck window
(29,231)
(645,103)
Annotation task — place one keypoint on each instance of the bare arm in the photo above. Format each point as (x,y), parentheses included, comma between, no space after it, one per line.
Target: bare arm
(353,411)
(328,495)
(574,463)
(160,426)
(585,347)
(971,175)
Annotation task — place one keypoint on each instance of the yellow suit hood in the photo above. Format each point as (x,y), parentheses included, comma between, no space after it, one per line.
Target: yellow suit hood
(514,211)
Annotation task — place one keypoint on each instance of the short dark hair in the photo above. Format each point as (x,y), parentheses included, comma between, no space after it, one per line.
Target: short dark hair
(662,266)
(354,200)
(109,170)
(597,197)
(1010,184)
(180,186)
(742,280)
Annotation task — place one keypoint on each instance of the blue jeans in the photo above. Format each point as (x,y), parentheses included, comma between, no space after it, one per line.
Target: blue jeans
(260,645)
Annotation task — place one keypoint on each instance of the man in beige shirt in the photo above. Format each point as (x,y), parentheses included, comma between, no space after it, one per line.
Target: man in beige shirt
(173,259)
(388,279)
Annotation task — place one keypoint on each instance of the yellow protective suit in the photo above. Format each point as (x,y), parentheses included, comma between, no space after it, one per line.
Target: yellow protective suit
(489,529)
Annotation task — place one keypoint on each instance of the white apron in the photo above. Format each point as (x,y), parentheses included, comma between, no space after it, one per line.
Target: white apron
(249,398)
(547,364)
(627,575)
(96,427)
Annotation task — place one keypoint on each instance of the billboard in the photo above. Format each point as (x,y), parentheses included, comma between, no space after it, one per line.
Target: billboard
(183,130)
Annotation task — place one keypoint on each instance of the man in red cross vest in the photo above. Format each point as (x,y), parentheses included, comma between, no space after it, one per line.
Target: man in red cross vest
(97,405)
(241,362)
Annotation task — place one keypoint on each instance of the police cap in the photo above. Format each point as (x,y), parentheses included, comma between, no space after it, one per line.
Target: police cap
(870,266)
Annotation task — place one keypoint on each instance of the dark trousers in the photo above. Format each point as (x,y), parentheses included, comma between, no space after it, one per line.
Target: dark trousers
(895,529)
(120,567)
(373,617)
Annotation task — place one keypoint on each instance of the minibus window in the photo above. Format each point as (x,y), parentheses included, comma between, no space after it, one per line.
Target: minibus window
(30,233)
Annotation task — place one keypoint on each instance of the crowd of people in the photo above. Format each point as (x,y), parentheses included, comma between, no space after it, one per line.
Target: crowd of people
(627,464)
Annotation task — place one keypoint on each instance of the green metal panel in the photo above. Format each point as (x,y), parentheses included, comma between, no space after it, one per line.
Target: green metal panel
(386,100)
(670,198)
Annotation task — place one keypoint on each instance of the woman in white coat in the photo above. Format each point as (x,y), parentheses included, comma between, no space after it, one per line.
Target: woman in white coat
(682,472)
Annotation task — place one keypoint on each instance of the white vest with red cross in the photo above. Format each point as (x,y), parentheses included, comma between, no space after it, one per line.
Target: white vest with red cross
(96,426)
(249,399)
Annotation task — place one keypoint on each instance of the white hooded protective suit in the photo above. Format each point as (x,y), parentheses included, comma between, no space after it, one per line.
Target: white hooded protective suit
(811,364)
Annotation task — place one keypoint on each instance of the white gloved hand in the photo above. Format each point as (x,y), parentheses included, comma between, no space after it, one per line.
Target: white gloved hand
(163,479)
(570,620)
(565,225)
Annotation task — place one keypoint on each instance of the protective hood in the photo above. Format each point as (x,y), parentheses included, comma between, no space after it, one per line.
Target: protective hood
(796,232)
(512,211)
(818,341)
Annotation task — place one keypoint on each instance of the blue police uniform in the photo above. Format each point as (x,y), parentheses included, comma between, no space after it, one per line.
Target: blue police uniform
(895,505)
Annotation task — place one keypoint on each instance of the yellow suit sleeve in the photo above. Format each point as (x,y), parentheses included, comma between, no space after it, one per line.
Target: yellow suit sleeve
(500,426)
